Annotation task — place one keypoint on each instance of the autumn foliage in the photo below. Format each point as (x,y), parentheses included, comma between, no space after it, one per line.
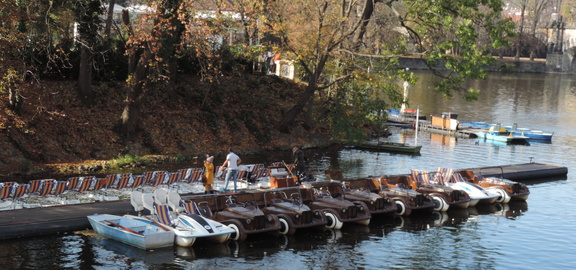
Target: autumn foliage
(176,76)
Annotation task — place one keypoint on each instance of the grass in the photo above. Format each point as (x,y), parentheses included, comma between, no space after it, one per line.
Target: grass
(126,160)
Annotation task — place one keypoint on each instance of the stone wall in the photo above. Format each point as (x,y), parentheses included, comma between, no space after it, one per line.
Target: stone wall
(554,63)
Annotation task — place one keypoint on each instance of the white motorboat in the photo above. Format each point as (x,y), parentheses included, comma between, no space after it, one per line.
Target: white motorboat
(476,193)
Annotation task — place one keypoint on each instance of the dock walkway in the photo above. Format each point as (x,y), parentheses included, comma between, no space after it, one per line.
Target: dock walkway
(39,221)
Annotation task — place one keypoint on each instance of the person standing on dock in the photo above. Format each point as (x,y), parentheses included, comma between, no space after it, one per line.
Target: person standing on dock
(232,161)
(299,161)
(209,174)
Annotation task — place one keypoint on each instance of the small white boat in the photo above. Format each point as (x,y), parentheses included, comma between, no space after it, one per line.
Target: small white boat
(133,232)
(476,193)
(183,237)
(187,227)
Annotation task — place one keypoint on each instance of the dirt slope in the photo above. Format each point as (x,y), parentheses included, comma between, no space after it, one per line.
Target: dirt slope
(190,118)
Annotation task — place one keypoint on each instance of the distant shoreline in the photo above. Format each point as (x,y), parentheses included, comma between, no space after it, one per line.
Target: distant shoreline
(506,64)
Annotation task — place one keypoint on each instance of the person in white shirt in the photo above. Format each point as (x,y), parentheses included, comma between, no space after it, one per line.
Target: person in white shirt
(232,161)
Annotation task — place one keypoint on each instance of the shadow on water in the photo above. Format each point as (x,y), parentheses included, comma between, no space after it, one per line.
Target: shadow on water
(535,181)
(150,257)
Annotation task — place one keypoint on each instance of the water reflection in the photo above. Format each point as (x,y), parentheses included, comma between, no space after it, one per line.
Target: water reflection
(126,254)
(91,250)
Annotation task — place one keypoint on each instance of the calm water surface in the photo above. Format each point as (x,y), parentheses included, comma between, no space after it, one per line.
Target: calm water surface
(533,235)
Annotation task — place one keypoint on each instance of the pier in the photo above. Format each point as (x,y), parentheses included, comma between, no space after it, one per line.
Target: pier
(462,133)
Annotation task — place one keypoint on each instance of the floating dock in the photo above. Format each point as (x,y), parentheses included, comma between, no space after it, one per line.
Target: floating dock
(441,125)
(523,172)
(32,222)
(462,133)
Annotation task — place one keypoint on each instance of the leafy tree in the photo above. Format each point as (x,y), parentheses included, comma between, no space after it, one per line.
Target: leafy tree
(323,36)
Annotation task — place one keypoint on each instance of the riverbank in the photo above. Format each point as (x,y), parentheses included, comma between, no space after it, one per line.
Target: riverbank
(53,132)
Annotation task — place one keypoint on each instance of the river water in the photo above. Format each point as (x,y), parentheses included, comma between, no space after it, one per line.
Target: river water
(532,235)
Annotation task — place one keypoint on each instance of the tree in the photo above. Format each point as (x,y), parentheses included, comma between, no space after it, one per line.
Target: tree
(312,31)
(140,59)
(173,29)
(109,18)
(518,45)
(88,14)
(536,17)
(250,12)
(323,35)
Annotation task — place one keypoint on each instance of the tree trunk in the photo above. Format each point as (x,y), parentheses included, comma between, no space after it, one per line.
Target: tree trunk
(520,36)
(290,117)
(85,76)
(138,70)
(109,18)
(366,15)
(131,114)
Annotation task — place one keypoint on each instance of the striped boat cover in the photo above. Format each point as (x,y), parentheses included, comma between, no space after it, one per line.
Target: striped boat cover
(190,207)
(196,175)
(138,181)
(73,182)
(163,214)
(47,186)
(20,191)
(420,177)
(86,184)
(446,174)
(124,180)
(101,183)
(458,178)
(61,186)
(5,191)
(173,178)
(34,186)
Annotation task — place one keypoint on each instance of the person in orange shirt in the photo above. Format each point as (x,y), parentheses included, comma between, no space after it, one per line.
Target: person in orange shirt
(208,174)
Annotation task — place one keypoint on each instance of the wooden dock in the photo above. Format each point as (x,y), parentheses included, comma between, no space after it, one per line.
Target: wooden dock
(438,125)
(523,172)
(32,222)
(462,133)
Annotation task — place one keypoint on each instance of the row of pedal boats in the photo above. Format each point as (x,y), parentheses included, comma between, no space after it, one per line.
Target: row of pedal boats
(168,218)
